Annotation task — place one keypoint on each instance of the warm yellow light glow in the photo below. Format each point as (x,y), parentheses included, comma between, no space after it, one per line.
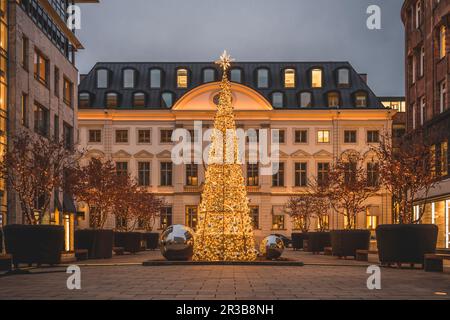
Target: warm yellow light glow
(182,78)
(443,42)
(316,77)
(323,136)
(289,78)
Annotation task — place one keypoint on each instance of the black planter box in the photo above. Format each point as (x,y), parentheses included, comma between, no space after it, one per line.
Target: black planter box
(130,241)
(317,241)
(406,243)
(297,240)
(151,239)
(346,242)
(99,243)
(34,244)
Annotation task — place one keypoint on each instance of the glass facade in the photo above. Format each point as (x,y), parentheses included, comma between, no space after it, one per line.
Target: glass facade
(438,212)
(3,97)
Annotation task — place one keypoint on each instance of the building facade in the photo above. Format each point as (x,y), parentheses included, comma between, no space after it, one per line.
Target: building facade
(3,98)
(427,65)
(128,112)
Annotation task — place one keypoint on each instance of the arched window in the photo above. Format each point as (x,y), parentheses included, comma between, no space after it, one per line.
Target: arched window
(209,75)
(84,100)
(102,78)
(167,100)
(305,99)
(343,77)
(263,78)
(129,78)
(333,99)
(316,78)
(112,100)
(155,78)
(360,99)
(139,99)
(236,75)
(277,100)
(182,78)
(289,78)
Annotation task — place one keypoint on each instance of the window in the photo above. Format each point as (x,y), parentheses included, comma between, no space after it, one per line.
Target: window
(422,62)
(254,214)
(191,216)
(68,92)
(155,78)
(444,158)
(442,42)
(278,178)
(442,96)
(361,99)
(398,130)
(24,107)
(323,169)
(166,173)
(289,78)
(414,124)
(301,136)
(102,79)
(278,222)
(371,222)
(95,136)
(433,160)
(166,136)
(323,136)
(343,77)
(333,99)
(129,77)
(191,174)
(414,68)
(167,100)
(263,78)
(144,174)
(209,75)
(182,78)
(84,100)
(121,136)
(139,100)
(277,100)
(316,78)
(422,110)
(41,120)
(349,136)
(165,217)
(301,179)
(122,168)
(418,14)
(25,46)
(236,75)
(279,135)
(68,136)
(373,136)
(350,172)
(372,174)
(112,100)
(56,128)
(56,89)
(305,99)
(41,68)
(144,136)
(252,174)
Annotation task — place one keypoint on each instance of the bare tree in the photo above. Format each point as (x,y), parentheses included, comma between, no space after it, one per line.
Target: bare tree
(299,208)
(321,204)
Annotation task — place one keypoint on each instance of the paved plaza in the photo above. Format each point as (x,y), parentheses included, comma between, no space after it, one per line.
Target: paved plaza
(323,277)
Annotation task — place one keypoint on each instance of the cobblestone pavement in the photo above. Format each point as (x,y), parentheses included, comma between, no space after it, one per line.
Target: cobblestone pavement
(322,277)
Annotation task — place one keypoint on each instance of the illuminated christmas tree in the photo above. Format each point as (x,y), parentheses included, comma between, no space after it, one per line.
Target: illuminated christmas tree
(225,230)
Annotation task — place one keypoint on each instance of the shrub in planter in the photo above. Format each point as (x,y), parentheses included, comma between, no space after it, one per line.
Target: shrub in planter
(39,244)
(130,241)
(346,242)
(317,241)
(297,240)
(406,243)
(151,240)
(98,242)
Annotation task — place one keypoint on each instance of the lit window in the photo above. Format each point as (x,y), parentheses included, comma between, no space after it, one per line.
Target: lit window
(41,67)
(191,217)
(323,136)
(343,77)
(84,100)
(155,78)
(252,174)
(112,100)
(316,78)
(236,75)
(139,100)
(167,100)
(191,174)
(305,99)
(277,222)
(277,100)
(182,78)
(444,158)
(102,79)
(121,136)
(443,42)
(371,222)
(128,78)
(442,96)
(263,78)
(209,75)
(360,99)
(165,217)
(68,92)
(289,78)
(333,99)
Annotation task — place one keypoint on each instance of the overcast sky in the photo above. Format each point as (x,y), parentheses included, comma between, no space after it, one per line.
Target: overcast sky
(251,30)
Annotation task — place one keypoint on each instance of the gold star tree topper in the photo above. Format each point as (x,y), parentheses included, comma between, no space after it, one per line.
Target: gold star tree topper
(225,61)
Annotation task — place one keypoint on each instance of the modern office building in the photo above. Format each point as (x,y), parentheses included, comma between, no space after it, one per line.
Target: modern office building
(427,79)
(128,111)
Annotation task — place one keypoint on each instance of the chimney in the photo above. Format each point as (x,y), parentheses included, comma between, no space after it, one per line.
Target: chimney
(363,77)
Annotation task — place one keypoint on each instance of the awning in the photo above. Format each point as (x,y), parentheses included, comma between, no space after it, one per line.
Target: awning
(440,190)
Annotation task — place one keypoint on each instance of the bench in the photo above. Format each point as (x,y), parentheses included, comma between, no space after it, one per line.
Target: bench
(435,262)
(328,251)
(363,255)
(119,251)
(5,262)
(82,254)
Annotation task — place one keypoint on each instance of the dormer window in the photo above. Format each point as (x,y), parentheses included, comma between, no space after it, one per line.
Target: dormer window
(289,78)
(129,78)
(155,79)
(277,100)
(263,78)
(112,100)
(316,78)
(102,79)
(343,76)
(236,75)
(361,99)
(167,100)
(182,78)
(333,99)
(84,100)
(139,100)
(305,99)
(209,75)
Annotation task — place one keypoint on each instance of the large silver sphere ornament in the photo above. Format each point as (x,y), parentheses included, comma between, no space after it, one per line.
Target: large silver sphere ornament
(177,243)
(272,247)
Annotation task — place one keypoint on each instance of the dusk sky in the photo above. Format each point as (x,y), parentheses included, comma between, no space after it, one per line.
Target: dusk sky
(251,30)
